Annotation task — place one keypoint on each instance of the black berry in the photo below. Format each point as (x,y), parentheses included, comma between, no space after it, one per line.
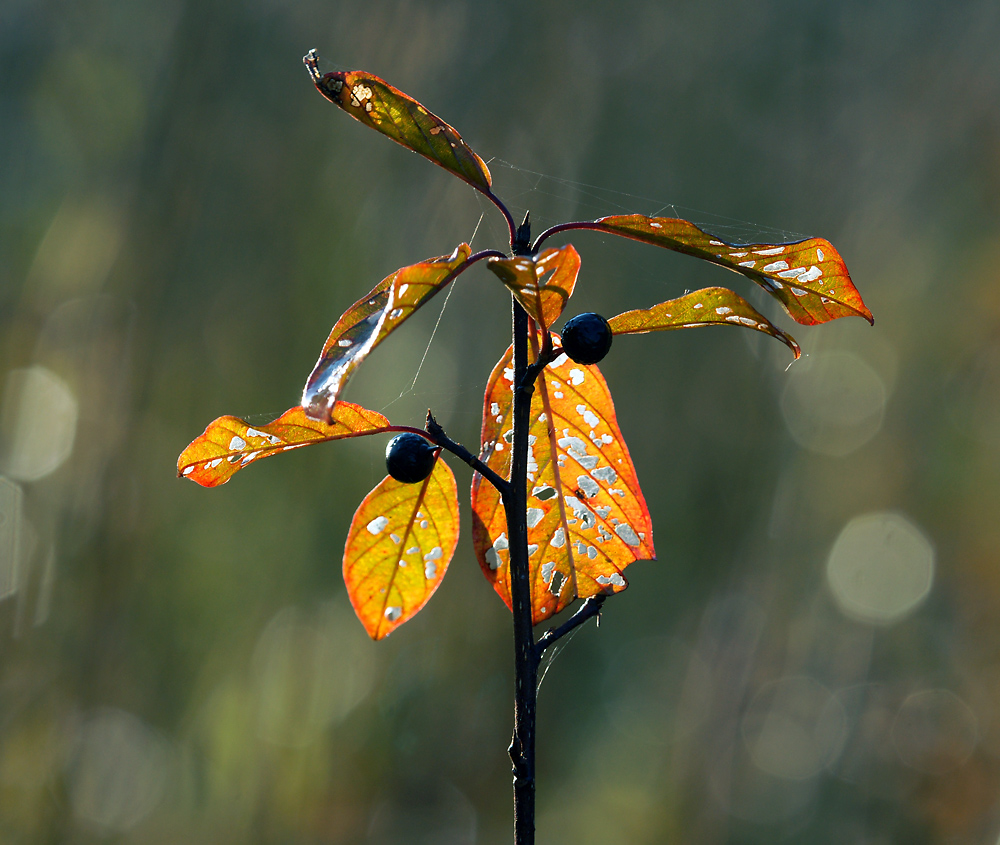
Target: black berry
(409,458)
(587,338)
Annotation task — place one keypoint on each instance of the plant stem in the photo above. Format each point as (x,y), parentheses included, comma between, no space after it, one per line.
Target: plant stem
(591,607)
(522,746)
(437,436)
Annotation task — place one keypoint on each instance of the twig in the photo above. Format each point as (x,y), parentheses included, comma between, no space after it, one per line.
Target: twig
(438,436)
(591,607)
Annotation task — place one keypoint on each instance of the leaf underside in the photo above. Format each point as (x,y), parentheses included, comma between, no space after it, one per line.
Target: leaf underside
(371,320)
(541,283)
(401,541)
(587,518)
(377,104)
(708,307)
(229,443)
(808,278)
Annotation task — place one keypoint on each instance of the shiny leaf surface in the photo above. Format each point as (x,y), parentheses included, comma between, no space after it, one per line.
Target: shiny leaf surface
(808,278)
(708,307)
(401,541)
(542,283)
(587,518)
(229,443)
(377,104)
(370,321)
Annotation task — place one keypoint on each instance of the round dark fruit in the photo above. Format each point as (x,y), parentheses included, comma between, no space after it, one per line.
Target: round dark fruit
(587,338)
(409,458)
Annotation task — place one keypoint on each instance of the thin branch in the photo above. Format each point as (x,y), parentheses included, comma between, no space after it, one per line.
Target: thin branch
(566,227)
(503,209)
(591,607)
(441,439)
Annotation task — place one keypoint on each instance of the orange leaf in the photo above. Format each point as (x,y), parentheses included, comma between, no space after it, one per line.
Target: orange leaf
(401,541)
(370,321)
(542,283)
(708,307)
(808,278)
(378,105)
(229,443)
(587,518)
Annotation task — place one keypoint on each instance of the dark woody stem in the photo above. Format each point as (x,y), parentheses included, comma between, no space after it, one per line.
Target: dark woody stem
(438,437)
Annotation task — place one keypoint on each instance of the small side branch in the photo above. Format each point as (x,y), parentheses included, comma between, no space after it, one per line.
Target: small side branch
(565,227)
(441,439)
(591,607)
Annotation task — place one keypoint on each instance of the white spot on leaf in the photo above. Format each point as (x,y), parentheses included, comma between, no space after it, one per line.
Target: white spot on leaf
(627,534)
(588,416)
(606,474)
(377,524)
(587,485)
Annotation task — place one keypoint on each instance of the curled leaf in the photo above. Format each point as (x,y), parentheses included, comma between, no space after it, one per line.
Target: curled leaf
(587,518)
(708,307)
(808,278)
(542,283)
(401,541)
(370,321)
(377,104)
(229,443)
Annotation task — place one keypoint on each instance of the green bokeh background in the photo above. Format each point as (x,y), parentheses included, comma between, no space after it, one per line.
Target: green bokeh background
(182,219)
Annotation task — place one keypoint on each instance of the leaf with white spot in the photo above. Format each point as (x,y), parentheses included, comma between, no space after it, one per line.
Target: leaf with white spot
(401,541)
(587,518)
(229,443)
(808,278)
(708,307)
(370,321)
(542,283)
(378,105)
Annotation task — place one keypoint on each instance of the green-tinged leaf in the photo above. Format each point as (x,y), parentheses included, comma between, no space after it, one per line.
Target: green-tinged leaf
(587,518)
(229,443)
(542,283)
(370,321)
(377,104)
(708,307)
(401,541)
(809,278)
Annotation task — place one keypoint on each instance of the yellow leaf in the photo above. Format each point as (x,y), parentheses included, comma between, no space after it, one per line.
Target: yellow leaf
(542,283)
(401,541)
(229,443)
(587,518)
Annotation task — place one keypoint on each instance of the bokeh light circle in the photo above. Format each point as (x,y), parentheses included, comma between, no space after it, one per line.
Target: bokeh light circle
(38,417)
(934,731)
(793,727)
(833,403)
(880,568)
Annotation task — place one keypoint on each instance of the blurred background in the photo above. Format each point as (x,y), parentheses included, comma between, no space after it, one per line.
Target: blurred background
(815,656)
